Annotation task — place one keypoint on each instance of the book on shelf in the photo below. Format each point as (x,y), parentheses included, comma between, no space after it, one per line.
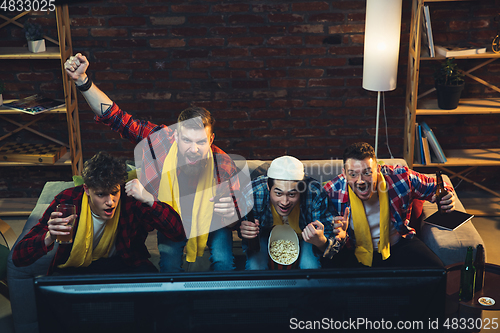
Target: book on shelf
(427,151)
(421,145)
(433,143)
(427,32)
(35,104)
(416,150)
(463,49)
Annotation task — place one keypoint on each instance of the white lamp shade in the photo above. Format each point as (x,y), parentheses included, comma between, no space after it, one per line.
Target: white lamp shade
(381,52)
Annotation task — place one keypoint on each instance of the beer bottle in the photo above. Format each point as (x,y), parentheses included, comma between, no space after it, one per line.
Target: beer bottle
(479,265)
(253,243)
(467,278)
(440,191)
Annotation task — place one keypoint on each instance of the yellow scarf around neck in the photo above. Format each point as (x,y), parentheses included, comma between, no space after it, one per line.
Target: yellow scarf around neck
(82,253)
(203,209)
(293,218)
(364,243)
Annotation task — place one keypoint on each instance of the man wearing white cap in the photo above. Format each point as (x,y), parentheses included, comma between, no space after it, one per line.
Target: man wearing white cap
(287,196)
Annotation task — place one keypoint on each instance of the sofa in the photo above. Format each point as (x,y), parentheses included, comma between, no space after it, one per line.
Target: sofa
(450,246)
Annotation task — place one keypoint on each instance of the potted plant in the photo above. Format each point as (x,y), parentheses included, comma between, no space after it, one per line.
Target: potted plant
(2,88)
(34,36)
(449,82)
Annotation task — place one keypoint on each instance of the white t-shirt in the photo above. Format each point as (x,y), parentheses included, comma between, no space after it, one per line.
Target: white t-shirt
(99,225)
(372,211)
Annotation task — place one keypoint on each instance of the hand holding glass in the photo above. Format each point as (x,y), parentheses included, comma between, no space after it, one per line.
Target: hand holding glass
(68,210)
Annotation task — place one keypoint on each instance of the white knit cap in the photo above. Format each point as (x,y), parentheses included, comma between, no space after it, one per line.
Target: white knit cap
(286,168)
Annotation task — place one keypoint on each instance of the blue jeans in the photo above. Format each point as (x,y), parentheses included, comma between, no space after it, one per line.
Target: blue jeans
(259,261)
(220,243)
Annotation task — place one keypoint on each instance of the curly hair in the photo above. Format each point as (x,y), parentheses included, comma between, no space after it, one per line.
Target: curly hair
(359,151)
(104,171)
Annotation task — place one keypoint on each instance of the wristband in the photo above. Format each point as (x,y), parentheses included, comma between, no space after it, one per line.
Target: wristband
(86,86)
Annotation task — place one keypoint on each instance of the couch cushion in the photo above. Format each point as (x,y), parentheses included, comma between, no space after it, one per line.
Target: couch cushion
(449,246)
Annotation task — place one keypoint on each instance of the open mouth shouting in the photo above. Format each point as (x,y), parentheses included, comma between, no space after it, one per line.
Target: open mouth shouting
(363,190)
(108,212)
(192,159)
(284,210)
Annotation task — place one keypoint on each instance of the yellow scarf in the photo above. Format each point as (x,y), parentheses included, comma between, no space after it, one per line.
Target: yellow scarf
(82,253)
(293,218)
(364,243)
(203,209)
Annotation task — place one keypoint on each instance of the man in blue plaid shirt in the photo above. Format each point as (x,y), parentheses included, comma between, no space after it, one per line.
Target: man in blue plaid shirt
(287,196)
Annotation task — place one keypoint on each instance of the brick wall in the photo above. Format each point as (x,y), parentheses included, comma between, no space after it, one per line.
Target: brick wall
(279,77)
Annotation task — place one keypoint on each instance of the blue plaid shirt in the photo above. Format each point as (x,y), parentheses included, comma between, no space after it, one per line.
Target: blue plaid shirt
(314,206)
(403,186)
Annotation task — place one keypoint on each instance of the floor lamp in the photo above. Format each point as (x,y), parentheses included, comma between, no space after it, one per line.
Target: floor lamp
(381,51)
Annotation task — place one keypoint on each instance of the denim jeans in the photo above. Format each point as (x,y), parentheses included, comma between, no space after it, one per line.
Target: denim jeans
(220,243)
(259,261)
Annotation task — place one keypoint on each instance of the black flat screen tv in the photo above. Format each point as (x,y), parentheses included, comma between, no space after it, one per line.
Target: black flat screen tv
(255,301)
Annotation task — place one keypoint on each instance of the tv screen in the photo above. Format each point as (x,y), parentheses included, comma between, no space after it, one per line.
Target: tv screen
(239,301)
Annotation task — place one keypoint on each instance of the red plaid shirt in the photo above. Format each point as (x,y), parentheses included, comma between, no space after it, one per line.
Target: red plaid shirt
(136,221)
(160,139)
(403,186)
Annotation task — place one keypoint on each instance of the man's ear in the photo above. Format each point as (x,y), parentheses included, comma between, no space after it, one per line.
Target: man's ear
(176,136)
(212,137)
(86,188)
(343,172)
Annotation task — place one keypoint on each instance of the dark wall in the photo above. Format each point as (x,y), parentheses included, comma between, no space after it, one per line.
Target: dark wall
(279,77)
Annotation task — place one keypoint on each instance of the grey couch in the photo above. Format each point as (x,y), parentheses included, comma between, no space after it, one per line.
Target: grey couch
(450,246)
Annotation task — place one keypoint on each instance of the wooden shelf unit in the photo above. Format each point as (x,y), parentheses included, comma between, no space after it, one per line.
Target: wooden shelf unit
(416,105)
(63,51)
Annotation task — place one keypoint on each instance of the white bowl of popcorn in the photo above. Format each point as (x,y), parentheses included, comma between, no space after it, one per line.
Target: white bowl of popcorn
(283,245)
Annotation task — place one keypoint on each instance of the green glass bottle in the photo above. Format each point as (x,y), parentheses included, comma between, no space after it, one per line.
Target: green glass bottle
(467,278)
(479,264)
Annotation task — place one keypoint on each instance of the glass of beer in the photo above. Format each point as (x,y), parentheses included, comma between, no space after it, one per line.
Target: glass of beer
(68,210)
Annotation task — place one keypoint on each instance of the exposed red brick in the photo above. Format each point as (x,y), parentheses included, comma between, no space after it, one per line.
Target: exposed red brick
(230,8)
(148,32)
(228,31)
(268,52)
(268,114)
(310,6)
(249,124)
(189,8)
(248,105)
(266,73)
(206,42)
(206,64)
(126,21)
(245,19)
(285,40)
(227,52)
(128,43)
(287,103)
(282,62)
(327,17)
(242,41)
(286,18)
(307,73)
(246,64)
(261,8)
(148,10)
